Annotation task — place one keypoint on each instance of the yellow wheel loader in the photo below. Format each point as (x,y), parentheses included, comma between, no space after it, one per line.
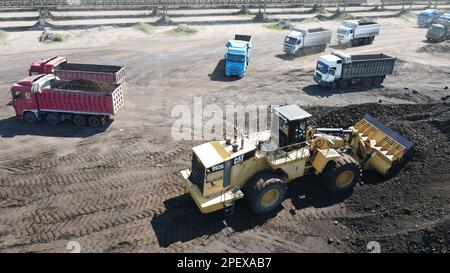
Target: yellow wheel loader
(258,167)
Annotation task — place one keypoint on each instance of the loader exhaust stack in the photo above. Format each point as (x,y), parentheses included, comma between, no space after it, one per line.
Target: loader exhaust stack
(389,149)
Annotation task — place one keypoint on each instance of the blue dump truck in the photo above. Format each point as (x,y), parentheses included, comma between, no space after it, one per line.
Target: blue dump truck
(427,17)
(237,55)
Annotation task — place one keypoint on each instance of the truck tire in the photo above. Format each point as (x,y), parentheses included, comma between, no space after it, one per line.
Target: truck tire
(79,120)
(94,121)
(377,81)
(371,40)
(341,174)
(53,118)
(367,82)
(265,192)
(29,117)
(344,84)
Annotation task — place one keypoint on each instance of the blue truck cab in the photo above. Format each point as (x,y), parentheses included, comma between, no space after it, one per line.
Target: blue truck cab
(237,55)
(427,17)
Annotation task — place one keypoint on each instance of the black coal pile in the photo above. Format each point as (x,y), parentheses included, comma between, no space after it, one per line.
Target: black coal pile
(85,85)
(410,211)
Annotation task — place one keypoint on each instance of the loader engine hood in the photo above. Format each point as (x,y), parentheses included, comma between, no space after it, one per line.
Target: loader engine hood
(210,154)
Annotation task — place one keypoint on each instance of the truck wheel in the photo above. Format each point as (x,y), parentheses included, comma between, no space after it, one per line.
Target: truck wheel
(265,192)
(29,117)
(342,174)
(79,120)
(52,118)
(367,82)
(94,121)
(344,84)
(377,81)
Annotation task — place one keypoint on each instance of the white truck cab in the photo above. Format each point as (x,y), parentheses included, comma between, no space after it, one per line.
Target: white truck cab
(293,41)
(344,34)
(329,68)
(306,39)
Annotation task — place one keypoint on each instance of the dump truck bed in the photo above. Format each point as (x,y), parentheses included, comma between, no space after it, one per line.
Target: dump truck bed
(241,37)
(316,37)
(368,65)
(367,29)
(102,73)
(64,96)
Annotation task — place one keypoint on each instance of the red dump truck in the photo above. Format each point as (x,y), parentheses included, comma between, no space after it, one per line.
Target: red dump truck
(60,67)
(46,97)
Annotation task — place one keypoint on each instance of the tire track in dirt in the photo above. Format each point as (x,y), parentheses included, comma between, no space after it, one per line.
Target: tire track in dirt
(130,186)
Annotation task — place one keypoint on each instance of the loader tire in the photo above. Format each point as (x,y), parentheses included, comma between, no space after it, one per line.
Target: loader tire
(265,192)
(341,174)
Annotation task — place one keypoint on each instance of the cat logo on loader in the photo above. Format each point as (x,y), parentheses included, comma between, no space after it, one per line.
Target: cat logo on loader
(259,166)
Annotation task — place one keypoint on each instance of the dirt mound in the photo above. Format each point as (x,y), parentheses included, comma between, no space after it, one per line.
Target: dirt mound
(163,21)
(443,47)
(85,85)
(260,17)
(409,212)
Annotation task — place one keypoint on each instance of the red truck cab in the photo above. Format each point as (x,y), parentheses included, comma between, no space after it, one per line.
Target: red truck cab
(46,66)
(22,97)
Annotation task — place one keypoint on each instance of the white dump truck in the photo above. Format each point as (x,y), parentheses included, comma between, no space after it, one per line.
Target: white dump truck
(357,33)
(302,40)
(343,70)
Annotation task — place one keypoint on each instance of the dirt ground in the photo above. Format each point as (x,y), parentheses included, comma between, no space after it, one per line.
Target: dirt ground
(118,188)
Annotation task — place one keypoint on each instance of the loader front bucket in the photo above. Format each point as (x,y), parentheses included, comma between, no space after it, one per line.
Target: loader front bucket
(389,149)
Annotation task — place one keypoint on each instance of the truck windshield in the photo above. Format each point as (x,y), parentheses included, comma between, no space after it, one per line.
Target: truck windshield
(322,68)
(342,31)
(290,40)
(235,58)
(424,16)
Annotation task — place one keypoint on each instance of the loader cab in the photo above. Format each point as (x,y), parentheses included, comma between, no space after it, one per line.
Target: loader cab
(289,125)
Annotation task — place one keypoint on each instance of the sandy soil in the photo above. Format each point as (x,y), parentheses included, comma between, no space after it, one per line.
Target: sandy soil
(118,188)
